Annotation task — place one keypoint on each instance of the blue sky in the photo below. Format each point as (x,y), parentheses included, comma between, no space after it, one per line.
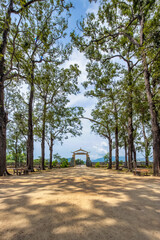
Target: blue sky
(89,141)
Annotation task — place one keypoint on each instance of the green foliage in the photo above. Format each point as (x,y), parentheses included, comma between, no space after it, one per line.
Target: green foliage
(12,157)
(97,165)
(57,157)
(54,163)
(64,162)
(37,161)
(79,162)
(149,166)
(106,158)
(121,162)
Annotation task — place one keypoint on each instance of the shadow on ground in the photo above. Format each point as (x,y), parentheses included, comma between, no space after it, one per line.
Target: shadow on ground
(79,203)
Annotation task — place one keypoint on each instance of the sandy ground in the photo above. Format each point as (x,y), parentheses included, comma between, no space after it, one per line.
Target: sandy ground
(79,204)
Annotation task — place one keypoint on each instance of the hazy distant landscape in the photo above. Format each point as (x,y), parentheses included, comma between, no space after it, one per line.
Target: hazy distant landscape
(120,158)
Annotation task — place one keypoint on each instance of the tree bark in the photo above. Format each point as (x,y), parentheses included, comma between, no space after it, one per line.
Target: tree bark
(146,145)
(3,114)
(116,138)
(125,148)
(130,143)
(135,157)
(110,153)
(51,151)
(117,148)
(16,145)
(30,145)
(43,135)
(130,121)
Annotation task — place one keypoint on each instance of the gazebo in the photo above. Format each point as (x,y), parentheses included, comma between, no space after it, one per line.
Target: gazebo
(81,152)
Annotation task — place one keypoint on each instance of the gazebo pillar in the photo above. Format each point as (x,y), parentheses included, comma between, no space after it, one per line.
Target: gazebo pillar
(72,163)
(88,161)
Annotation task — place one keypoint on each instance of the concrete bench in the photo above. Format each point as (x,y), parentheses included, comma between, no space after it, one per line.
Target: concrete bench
(20,171)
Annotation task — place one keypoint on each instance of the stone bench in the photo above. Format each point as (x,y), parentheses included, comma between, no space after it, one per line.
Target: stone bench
(20,171)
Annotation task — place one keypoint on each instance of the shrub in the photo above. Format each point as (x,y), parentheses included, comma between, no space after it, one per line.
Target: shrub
(64,163)
(106,158)
(79,162)
(121,162)
(97,165)
(150,166)
(54,163)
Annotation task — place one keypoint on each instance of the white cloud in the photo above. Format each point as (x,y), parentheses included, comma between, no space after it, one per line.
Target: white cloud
(101,148)
(93,8)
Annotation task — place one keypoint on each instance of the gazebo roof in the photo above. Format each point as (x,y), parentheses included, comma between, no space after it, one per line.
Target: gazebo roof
(80,150)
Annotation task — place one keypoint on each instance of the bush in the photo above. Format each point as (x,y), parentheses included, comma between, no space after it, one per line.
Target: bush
(97,165)
(79,162)
(54,163)
(64,163)
(121,162)
(106,158)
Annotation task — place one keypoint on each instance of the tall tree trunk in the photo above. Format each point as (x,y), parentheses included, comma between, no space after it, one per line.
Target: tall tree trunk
(3,125)
(3,114)
(51,151)
(117,148)
(27,154)
(146,146)
(152,108)
(135,157)
(125,148)
(110,153)
(30,145)
(116,138)
(16,159)
(130,122)
(154,120)
(43,134)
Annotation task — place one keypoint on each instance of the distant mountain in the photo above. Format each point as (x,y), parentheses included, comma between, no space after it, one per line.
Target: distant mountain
(98,160)
(113,159)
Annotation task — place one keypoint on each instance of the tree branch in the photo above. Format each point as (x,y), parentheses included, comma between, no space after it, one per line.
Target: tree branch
(26,5)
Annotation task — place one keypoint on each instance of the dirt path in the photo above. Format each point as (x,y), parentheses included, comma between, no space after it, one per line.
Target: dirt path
(79,204)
